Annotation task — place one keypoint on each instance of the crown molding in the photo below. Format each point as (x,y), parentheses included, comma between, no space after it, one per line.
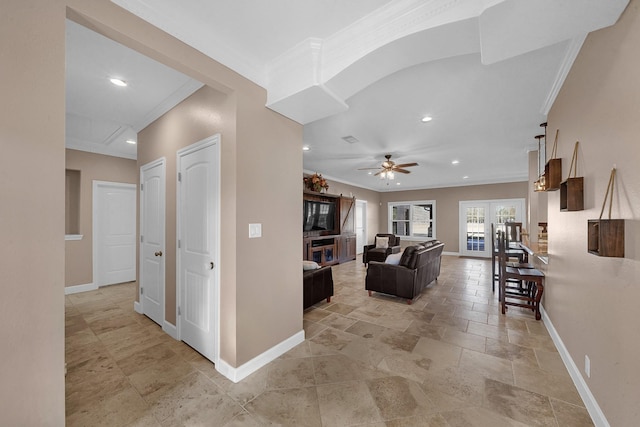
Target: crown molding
(570,56)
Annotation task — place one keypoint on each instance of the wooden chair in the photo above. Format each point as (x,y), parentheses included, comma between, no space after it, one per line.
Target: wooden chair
(520,287)
(511,253)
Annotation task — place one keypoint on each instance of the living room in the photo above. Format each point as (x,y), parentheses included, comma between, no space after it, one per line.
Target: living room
(589,299)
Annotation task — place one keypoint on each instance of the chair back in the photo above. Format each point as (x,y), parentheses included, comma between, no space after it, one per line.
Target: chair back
(393,239)
(513,231)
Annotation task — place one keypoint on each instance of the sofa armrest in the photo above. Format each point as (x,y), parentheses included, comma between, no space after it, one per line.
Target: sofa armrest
(395,250)
(390,279)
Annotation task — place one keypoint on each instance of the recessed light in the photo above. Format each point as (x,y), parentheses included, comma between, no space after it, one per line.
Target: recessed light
(306,148)
(397,183)
(426,119)
(465,177)
(131,141)
(455,162)
(118,82)
(370,173)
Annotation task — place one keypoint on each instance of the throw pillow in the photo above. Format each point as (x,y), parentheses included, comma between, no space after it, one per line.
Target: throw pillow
(393,259)
(382,242)
(309,265)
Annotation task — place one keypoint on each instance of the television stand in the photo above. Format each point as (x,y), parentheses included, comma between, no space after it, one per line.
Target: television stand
(322,250)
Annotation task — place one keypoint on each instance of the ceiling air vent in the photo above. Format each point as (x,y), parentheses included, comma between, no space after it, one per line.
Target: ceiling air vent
(350,139)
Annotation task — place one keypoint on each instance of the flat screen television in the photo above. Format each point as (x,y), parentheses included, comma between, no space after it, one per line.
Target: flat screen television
(319,216)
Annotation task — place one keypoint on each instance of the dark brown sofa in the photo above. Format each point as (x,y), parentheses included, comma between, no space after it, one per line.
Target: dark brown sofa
(371,253)
(317,285)
(419,266)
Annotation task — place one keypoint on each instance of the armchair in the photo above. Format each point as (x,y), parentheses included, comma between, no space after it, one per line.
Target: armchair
(378,251)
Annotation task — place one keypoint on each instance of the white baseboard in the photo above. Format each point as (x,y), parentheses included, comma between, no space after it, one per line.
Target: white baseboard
(241,372)
(597,416)
(137,307)
(451,253)
(68,290)
(170,329)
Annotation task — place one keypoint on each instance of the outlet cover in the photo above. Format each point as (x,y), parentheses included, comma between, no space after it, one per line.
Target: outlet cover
(587,366)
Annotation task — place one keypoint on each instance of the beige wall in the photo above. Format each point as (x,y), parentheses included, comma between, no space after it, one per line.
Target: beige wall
(373,205)
(592,301)
(32,213)
(78,253)
(257,275)
(448,205)
(537,206)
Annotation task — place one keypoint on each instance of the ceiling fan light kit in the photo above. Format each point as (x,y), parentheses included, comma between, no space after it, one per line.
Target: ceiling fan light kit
(389,168)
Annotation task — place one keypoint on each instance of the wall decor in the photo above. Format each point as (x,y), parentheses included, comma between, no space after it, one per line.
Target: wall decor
(572,190)
(605,237)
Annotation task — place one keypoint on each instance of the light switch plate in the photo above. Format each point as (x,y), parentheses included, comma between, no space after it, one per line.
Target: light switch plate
(255,230)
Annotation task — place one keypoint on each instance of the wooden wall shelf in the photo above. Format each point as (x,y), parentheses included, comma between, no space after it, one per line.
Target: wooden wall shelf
(606,237)
(572,195)
(553,174)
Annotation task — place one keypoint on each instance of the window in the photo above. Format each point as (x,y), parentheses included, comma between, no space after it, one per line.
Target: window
(413,220)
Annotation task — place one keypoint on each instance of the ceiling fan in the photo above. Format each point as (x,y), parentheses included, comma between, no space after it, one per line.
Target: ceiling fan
(389,168)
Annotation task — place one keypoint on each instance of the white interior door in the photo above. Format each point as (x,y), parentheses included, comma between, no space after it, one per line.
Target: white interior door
(114,233)
(152,239)
(361,225)
(198,225)
(476,218)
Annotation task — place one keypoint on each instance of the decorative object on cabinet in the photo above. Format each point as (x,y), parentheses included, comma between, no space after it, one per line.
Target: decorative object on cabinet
(553,168)
(606,236)
(316,183)
(572,190)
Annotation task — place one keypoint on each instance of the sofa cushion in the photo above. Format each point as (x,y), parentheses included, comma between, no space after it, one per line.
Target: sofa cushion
(309,265)
(382,242)
(406,255)
(394,259)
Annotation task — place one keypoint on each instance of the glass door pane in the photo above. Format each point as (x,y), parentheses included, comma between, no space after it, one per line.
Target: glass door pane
(473,229)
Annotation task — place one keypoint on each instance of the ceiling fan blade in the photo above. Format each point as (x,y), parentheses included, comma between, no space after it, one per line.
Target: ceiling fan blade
(406,165)
(379,172)
(401,170)
(367,169)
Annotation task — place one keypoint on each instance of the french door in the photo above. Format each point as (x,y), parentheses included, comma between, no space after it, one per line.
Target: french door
(476,218)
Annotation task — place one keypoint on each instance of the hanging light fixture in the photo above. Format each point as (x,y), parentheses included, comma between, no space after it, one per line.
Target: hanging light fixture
(540,183)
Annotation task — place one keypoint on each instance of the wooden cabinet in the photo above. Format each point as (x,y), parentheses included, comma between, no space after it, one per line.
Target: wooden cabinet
(347,247)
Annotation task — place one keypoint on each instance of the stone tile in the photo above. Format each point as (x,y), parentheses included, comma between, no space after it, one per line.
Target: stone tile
(465,385)
(479,417)
(398,397)
(290,373)
(557,386)
(512,352)
(301,350)
(337,368)
(440,353)
(315,315)
(532,341)
(467,314)
(195,400)
(488,331)
(436,420)
(157,378)
(397,341)
(244,419)
(569,415)
(346,404)
(312,329)
(338,321)
(287,407)
(143,358)
(365,329)
(340,308)
(413,366)
(450,322)
(486,365)
(331,339)
(518,404)
(426,330)
(123,408)
(465,340)
(551,361)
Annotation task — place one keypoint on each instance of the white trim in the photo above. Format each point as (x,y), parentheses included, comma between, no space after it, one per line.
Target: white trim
(162,161)
(241,372)
(390,206)
(137,307)
(70,237)
(597,416)
(170,330)
(75,289)
(451,253)
(94,235)
(215,141)
(567,62)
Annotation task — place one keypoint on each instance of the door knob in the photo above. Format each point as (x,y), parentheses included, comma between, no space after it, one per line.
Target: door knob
(159,253)
(212,265)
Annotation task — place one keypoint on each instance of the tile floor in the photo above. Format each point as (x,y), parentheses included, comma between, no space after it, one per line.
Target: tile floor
(449,359)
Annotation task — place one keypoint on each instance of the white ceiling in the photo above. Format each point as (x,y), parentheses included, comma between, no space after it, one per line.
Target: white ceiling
(487,71)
